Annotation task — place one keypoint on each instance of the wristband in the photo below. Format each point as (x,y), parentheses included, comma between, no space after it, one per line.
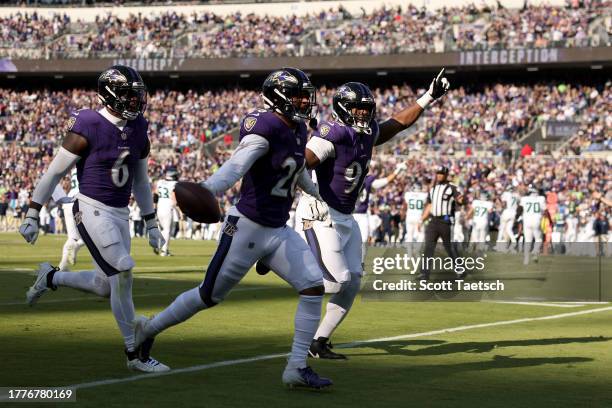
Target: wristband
(425,100)
(32,213)
(150,224)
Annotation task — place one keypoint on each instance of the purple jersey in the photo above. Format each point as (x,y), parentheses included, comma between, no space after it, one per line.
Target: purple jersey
(268,187)
(340,177)
(106,171)
(364,196)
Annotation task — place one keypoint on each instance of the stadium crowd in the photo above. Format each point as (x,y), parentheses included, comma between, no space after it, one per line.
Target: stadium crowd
(595,133)
(492,117)
(32,122)
(530,27)
(178,119)
(567,183)
(330,32)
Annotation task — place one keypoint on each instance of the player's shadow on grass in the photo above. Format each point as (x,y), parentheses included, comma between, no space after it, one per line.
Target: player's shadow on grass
(147,293)
(497,362)
(440,347)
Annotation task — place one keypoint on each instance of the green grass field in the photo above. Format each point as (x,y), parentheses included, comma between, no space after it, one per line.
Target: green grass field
(70,338)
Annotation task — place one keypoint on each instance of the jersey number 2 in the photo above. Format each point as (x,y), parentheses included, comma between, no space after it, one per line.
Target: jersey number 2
(286,185)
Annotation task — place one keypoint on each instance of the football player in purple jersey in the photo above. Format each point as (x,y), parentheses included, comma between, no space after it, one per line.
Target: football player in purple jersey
(340,152)
(270,161)
(109,147)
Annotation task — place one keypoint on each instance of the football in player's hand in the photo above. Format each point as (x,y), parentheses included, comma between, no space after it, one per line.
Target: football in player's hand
(197,202)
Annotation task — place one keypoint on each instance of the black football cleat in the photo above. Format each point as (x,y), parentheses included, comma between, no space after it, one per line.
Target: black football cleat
(321,348)
(144,350)
(261,268)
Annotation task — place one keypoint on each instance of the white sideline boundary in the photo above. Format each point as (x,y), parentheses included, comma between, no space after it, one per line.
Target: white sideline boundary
(226,363)
(560,304)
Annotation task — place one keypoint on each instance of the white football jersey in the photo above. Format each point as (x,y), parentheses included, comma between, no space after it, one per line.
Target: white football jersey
(533,209)
(510,201)
(572,223)
(74,183)
(165,188)
(458,219)
(415,201)
(23,197)
(481,211)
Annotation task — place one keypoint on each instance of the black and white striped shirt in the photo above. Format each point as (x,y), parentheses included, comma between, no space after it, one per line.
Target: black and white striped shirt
(442,198)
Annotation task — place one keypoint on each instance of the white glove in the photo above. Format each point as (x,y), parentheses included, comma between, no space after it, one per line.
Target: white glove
(29,227)
(156,240)
(400,168)
(316,210)
(438,87)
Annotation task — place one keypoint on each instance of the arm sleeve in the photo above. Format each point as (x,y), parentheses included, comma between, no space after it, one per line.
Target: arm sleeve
(379,183)
(61,164)
(322,148)
(307,185)
(142,188)
(387,131)
(250,149)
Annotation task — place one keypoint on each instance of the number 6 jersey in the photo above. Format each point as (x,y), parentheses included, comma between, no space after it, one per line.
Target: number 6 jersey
(106,171)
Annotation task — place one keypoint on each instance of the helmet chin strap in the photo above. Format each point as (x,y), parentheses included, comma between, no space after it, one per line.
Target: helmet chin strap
(360,128)
(113,112)
(365,129)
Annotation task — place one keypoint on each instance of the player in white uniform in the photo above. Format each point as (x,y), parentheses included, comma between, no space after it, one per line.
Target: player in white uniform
(571,232)
(73,241)
(458,235)
(479,214)
(533,209)
(586,233)
(166,203)
(571,228)
(510,200)
(414,204)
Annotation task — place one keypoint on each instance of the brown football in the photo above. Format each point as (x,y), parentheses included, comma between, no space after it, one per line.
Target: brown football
(197,202)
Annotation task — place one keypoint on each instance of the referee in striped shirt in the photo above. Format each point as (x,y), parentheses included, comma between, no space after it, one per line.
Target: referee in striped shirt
(442,199)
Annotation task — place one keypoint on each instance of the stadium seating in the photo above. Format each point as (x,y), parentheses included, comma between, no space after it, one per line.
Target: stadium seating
(330,32)
(490,119)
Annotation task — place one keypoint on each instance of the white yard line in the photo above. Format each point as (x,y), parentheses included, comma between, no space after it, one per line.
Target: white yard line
(226,363)
(508,302)
(476,326)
